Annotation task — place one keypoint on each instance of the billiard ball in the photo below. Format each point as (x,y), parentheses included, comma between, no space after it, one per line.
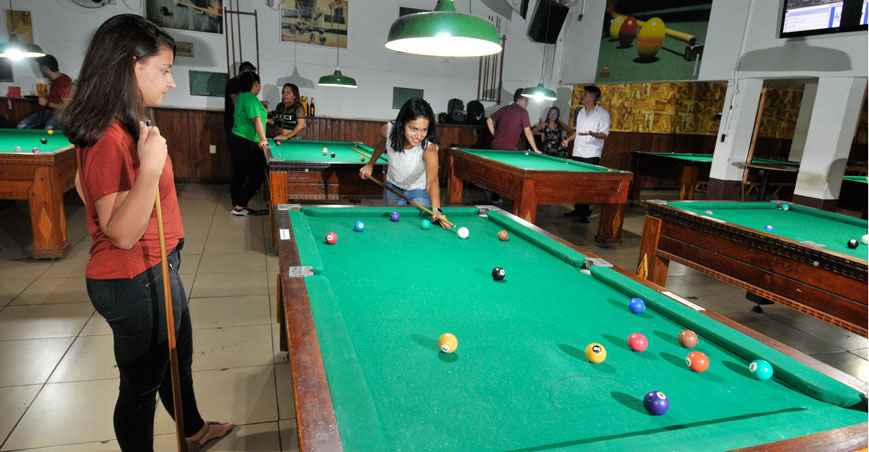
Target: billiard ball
(595,353)
(502,235)
(394,216)
(708,212)
(628,31)
(637,305)
(448,343)
(325,150)
(463,232)
(358,226)
(656,403)
(425,224)
(768,228)
(35,150)
(697,361)
(615,26)
(499,274)
(18,149)
(43,140)
(332,155)
(865,239)
(853,243)
(638,342)
(362,159)
(760,369)
(50,131)
(785,207)
(650,38)
(331,238)
(688,339)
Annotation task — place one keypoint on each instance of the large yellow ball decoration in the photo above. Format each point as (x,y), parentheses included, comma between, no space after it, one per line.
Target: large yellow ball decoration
(650,39)
(616,26)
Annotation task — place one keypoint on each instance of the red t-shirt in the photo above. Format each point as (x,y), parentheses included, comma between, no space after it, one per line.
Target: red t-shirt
(510,121)
(60,89)
(110,166)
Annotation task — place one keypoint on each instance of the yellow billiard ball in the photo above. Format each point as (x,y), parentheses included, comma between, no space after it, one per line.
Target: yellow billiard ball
(616,26)
(50,131)
(650,39)
(595,352)
(448,343)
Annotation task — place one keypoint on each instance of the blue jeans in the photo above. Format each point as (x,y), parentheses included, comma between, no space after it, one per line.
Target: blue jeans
(40,120)
(420,196)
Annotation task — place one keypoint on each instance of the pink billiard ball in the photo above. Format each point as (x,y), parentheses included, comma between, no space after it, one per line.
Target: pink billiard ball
(638,342)
(331,238)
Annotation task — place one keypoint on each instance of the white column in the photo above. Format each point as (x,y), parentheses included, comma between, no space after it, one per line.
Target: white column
(831,132)
(801,130)
(734,132)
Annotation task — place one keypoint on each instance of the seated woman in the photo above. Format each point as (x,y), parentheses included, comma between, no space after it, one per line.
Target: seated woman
(288,116)
(553,132)
(410,145)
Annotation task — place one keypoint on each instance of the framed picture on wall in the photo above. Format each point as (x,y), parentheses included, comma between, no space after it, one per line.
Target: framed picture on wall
(193,15)
(318,22)
(209,84)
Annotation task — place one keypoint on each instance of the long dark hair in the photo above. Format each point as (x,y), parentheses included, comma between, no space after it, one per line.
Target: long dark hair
(411,110)
(107,89)
(295,90)
(557,114)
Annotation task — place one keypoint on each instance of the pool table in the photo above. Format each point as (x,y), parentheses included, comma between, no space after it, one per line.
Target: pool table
(692,167)
(361,319)
(530,179)
(803,263)
(41,179)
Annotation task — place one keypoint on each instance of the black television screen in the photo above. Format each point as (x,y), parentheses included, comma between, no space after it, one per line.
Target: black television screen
(810,17)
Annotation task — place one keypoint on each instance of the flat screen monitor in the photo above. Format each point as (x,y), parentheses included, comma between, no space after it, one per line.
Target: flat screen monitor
(811,17)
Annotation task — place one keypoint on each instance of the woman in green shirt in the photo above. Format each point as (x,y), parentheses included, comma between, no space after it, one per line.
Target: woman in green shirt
(247,144)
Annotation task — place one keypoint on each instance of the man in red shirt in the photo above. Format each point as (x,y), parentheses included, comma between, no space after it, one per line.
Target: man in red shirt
(59,92)
(509,123)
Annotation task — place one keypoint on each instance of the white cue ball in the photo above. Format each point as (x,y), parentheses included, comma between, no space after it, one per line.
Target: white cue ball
(865,239)
(463,232)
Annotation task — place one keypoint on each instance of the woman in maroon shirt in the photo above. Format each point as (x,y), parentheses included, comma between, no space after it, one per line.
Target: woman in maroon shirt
(122,161)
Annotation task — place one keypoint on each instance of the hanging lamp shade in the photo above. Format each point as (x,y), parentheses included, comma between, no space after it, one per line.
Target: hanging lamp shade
(18,50)
(443,33)
(337,80)
(540,93)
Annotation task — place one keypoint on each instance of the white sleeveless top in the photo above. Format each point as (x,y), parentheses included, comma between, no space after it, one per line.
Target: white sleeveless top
(407,168)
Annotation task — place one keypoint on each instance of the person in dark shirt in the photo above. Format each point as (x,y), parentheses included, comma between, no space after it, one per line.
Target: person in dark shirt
(288,116)
(553,132)
(509,123)
(229,95)
(59,92)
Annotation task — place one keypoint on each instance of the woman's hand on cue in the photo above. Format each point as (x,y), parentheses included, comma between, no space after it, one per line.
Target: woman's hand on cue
(365,171)
(152,149)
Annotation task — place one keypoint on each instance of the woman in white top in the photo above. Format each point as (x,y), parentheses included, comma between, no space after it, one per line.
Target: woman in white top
(410,145)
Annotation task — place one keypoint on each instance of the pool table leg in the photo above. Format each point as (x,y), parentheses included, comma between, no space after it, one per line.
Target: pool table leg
(609,230)
(47,216)
(688,182)
(526,206)
(456,186)
(651,266)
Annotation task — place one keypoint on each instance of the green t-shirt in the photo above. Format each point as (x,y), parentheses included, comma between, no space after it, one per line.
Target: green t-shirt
(247,107)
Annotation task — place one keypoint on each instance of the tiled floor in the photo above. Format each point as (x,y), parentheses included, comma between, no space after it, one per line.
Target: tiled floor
(58,381)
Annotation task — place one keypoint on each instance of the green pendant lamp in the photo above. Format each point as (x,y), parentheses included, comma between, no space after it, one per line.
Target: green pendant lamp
(443,33)
(540,93)
(337,79)
(16,51)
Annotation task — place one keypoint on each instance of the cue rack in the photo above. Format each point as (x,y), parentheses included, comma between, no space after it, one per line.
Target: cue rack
(232,36)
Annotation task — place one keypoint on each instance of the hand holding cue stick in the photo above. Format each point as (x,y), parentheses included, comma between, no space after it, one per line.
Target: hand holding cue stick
(444,221)
(170,331)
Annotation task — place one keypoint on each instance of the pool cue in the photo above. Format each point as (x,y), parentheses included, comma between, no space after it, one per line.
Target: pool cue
(170,331)
(419,206)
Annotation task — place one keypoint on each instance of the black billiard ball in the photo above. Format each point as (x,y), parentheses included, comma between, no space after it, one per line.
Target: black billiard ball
(853,243)
(332,155)
(498,274)
(43,140)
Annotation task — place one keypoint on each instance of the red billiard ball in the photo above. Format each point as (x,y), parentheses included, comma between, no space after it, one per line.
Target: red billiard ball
(688,339)
(638,342)
(697,361)
(331,238)
(628,31)
(502,235)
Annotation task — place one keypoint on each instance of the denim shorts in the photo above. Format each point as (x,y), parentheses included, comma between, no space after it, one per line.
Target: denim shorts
(420,196)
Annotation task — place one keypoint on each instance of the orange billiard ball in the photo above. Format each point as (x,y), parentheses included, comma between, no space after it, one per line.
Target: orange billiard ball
(688,339)
(502,235)
(448,343)
(650,38)
(697,361)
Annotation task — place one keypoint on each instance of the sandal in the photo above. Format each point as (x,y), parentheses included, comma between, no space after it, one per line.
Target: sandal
(212,431)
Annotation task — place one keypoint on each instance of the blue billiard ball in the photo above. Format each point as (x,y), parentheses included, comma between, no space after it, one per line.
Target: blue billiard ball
(768,228)
(760,369)
(394,216)
(656,403)
(425,224)
(359,226)
(785,207)
(637,305)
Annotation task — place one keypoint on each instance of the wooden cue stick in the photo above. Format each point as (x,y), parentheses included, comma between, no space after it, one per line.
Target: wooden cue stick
(687,38)
(419,206)
(170,331)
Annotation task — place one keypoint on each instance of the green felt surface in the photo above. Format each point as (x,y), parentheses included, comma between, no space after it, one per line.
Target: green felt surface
(800,223)
(537,162)
(858,179)
(29,139)
(519,380)
(707,158)
(312,151)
